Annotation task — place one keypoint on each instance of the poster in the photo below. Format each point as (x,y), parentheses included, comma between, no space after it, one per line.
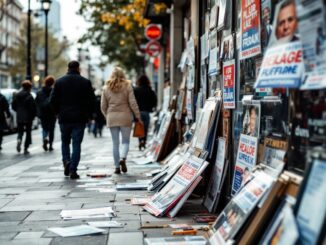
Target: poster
(213,17)
(250,29)
(266,28)
(221,14)
(251,119)
(189,104)
(214,51)
(246,160)
(227,48)
(214,185)
(313,37)
(229,84)
(239,208)
(282,65)
(167,197)
(312,207)
(203,47)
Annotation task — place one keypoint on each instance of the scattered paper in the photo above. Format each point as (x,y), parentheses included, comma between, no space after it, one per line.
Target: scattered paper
(132,186)
(79,230)
(106,224)
(141,201)
(87,213)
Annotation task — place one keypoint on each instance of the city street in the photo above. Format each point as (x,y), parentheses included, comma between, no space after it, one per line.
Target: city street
(33,192)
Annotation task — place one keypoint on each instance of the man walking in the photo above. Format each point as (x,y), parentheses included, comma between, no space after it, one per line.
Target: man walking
(4,109)
(73,101)
(24,105)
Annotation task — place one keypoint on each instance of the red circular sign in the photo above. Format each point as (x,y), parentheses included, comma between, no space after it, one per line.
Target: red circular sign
(153,32)
(153,48)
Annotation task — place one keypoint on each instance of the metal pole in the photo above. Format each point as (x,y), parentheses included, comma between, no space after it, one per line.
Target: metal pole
(29,58)
(46,44)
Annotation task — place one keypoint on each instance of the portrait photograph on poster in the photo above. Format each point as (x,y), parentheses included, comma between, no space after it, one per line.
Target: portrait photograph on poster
(251,119)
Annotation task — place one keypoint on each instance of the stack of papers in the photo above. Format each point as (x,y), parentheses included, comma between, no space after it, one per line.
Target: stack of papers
(87,213)
(106,224)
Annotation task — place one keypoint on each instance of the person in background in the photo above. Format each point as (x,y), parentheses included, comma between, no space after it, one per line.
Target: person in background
(24,105)
(73,100)
(46,113)
(147,101)
(4,111)
(118,105)
(99,119)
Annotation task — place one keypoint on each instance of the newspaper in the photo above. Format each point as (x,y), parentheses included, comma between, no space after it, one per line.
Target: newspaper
(239,208)
(87,213)
(172,192)
(79,230)
(106,224)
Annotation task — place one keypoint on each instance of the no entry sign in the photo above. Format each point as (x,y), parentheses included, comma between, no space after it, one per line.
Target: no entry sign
(153,48)
(153,32)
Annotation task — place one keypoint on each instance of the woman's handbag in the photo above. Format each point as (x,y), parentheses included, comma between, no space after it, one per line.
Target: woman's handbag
(139,130)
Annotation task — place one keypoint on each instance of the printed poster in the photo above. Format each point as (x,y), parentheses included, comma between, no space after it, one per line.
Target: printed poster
(312,28)
(250,29)
(282,65)
(246,160)
(229,84)
(251,119)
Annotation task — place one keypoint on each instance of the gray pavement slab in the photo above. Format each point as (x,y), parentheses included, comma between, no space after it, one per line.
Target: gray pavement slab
(29,235)
(13,216)
(81,240)
(122,238)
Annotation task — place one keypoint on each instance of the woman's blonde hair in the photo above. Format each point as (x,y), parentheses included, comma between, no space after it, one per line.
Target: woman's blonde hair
(117,79)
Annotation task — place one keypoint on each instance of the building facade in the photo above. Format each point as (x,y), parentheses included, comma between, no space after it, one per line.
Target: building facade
(10,20)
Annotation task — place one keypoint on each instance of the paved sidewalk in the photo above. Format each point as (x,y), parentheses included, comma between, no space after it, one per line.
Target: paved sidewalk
(33,191)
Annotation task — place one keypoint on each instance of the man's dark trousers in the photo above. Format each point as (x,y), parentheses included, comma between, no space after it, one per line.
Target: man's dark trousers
(74,132)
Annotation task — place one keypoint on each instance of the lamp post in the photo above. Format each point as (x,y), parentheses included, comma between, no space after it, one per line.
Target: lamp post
(29,56)
(46,4)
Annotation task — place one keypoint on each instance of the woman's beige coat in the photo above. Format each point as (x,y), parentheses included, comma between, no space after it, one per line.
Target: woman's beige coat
(119,107)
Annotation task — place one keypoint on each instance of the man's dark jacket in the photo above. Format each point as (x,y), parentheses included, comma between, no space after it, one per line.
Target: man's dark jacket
(73,98)
(24,105)
(4,109)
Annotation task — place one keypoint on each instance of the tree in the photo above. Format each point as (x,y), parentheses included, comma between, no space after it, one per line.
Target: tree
(118,29)
(57,49)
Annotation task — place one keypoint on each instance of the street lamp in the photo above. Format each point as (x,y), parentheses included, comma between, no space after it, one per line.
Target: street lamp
(46,4)
(29,56)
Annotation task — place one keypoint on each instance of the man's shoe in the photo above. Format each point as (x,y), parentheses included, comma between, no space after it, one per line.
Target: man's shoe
(45,144)
(51,148)
(74,175)
(123,165)
(66,165)
(26,152)
(117,171)
(18,146)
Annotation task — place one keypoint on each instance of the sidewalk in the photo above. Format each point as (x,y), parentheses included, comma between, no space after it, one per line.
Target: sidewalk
(34,191)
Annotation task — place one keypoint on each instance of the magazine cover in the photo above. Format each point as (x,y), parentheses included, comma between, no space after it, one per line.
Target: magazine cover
(239,208)
(173,191)
(251,119)
(214,185)
(282,65)
(246,160)
(250,29)
(312,27)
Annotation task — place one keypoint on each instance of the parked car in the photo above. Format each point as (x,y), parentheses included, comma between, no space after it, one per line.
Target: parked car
(12,120)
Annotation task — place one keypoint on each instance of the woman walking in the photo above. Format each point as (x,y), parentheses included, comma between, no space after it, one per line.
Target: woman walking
(46,113)
(147,100)
(118,105)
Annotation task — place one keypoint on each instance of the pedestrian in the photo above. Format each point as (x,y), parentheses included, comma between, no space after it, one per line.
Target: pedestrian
(24,105)
(4,111)
(72,99)
(46,113)
(147,101)
(99,119)
(119,106)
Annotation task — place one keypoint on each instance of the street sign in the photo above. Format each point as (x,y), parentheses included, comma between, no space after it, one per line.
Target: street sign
(153,48)
(153,32)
